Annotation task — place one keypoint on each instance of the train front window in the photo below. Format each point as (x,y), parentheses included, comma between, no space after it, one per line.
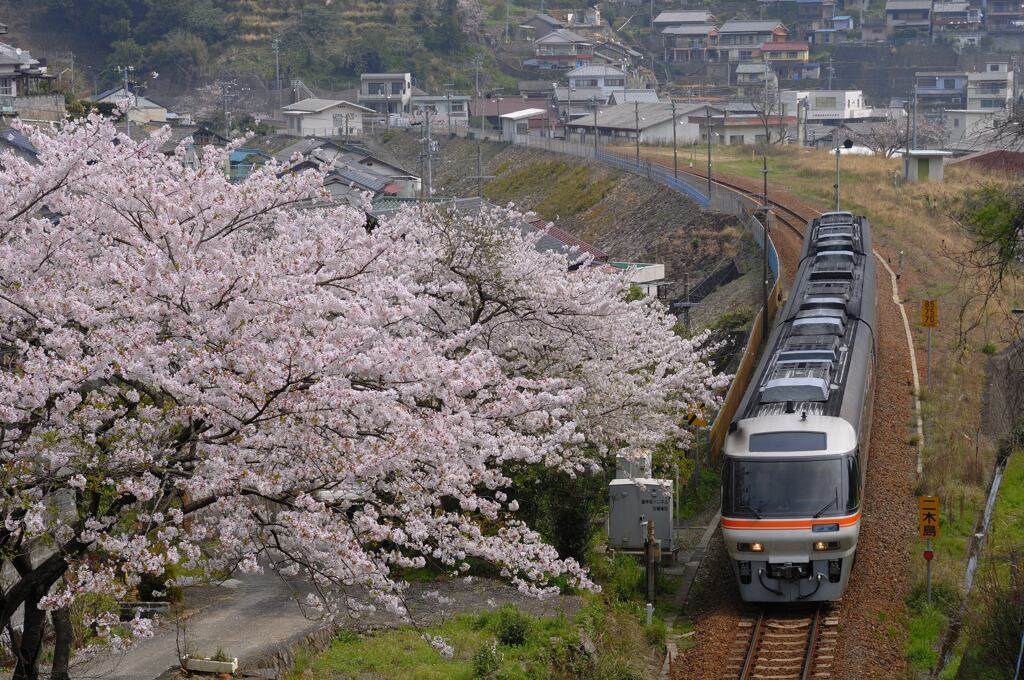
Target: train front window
(780,442)
(784,488)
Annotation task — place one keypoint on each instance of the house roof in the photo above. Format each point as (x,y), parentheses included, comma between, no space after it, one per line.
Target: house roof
(535,85)
(118,92)
(624,116)
(987,75)
(596,70)
(388,76)
(242,154)
(689,29)
(612,46)
(842,17)
(562,35)
(304,147)
(547,19)
(630,96)
(183,131)
(742,26)
(941,74)
(491,107)
(951,7)
(524,114)
(367,180)
(568,239)
(318,105)
(686,17)
(13,138)
(891,5)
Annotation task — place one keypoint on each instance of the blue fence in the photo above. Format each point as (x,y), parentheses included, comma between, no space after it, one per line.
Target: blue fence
(653,171)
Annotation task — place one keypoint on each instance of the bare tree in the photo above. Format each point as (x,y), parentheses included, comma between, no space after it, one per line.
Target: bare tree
(889,136)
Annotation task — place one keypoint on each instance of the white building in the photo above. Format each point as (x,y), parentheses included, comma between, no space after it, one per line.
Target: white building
(826,105)
(968,128)
(325,118)
(605,78)
(386,92)
(991,88)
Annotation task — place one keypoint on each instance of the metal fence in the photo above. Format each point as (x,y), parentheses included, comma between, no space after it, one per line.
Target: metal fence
(721,199)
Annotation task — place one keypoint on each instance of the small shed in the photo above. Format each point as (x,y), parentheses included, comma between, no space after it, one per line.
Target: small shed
(518,123)
(925,165)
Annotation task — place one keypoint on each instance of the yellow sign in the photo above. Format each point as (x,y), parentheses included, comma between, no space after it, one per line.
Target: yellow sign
(929,313)
(697,418)
(928,516)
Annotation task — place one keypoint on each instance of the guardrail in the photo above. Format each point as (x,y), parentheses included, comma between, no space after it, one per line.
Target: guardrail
(726,200)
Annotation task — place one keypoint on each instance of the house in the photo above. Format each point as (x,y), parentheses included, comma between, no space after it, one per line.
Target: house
(787,59)
(1004,16)
(316,151)
(826,106)
(21,76)
(874,30)
(691,43)
(739,40)
(517,124)
(491,109)
(630,96)
(651,121)
(443,107)
(141,109)
(535,88)
(991,88)
(842,22)
(325,118)
(968,129)
(738,130)
(349,185)
(940,90)
(588,17)
(386,93)
(242,162)
(198,136)
(612,52)
(561,49)
(750,80)
(572,101)
(542,24)
(925,165)
(814,14)
(954,17)
(605,78)
(683,18)
(909,19)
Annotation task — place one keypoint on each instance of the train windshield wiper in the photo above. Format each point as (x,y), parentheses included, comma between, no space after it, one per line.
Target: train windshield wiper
(749,507)
(835,500)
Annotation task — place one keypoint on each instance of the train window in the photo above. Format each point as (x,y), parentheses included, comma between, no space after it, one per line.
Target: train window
(781,442)
(783,488)
(852,484)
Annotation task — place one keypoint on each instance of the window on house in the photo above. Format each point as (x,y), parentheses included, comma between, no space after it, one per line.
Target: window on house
(824,102)
(397,88)
(949,83)
(956,122)
(376,88)
(792,55)
(7,87)
(458,108)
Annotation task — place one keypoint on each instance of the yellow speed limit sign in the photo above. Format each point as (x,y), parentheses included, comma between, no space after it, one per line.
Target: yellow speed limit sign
(929,313)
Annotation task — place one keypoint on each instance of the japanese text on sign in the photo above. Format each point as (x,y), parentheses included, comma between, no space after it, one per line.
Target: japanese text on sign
(929,313)
(928,516)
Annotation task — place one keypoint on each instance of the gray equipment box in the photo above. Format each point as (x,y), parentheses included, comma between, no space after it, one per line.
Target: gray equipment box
(631,503)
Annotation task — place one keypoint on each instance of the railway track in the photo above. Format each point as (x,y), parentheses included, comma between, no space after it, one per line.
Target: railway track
(797,644)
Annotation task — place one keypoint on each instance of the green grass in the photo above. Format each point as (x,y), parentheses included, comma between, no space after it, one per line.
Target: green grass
(562,188)
(695,500)
(924,630)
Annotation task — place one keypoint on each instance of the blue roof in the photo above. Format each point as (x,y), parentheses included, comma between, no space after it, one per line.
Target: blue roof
(241,155)
(844,17)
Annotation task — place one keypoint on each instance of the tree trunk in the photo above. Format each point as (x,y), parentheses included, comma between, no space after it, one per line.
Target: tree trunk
(32,634)
(62,644)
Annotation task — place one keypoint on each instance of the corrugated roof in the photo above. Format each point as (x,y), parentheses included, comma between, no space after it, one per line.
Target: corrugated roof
(18,141)
(524,114)
(624,116)
(795,46)
(596,70)
(629,96)
(562,35)
(907,4)
(547,19)
(742,26)
(318,105)
(751,68)
(366,180)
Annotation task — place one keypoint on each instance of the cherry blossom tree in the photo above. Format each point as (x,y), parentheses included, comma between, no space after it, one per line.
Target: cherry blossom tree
(197,372)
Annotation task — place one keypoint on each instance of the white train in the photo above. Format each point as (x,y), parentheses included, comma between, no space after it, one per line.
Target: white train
(796,455)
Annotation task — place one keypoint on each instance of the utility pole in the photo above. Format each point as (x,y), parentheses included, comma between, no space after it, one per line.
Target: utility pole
(448,96)
(707,125)
(906,154)
(125,70)
(675,151)
(836,138)
(597,134)
(277,71)
(764,194)
(636,111)
(506,20)
(387,109)
(430,159)
(830,70)
(913,144)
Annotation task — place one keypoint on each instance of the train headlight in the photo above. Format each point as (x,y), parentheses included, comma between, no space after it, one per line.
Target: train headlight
(749,547)
(822,546)
(756,547)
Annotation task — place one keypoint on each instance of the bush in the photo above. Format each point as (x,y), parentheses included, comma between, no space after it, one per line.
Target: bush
(512,626)
(656,632)
(486,660)
(621,577)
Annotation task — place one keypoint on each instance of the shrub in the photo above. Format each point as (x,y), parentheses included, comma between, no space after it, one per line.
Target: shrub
(486,660)
(988,348)
(512,626)
(656,632)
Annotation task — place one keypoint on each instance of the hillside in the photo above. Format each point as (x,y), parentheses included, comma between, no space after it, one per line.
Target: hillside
(326,43)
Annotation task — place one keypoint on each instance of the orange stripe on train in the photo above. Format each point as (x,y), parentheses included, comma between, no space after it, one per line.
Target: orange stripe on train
(783,524)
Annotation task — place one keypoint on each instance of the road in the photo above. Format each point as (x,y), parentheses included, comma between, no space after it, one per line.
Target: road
(246,617)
